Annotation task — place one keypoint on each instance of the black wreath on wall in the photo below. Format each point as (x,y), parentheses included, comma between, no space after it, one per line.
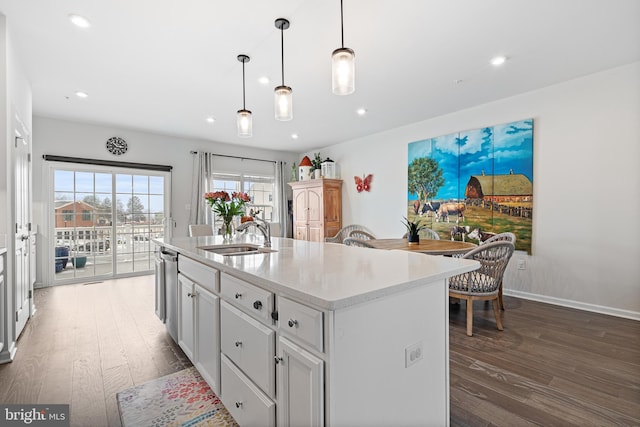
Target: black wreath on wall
(117,145)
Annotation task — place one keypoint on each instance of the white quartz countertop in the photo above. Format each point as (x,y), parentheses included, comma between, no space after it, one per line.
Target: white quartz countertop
(326,275)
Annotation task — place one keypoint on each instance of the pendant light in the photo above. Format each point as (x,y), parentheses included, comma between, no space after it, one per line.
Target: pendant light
(343,66)
(283,98)
(245,124)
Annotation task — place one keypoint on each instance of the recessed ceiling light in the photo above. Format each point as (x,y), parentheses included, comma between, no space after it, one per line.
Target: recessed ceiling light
(294,136)
(361,111)
(81,94)
(79,21)
(498,60)
(264,80)
(210,120)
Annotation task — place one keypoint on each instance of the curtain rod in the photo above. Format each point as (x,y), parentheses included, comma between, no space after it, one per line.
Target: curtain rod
(238,157)
(112,163)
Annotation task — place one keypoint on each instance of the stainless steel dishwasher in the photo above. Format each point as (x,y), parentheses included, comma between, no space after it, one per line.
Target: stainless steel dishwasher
(167,290)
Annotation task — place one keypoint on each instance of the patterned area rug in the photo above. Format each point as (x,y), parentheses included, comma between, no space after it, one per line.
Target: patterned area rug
(180,399)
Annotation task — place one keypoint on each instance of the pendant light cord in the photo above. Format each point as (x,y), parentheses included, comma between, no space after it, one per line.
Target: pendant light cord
(243,103)
(341,24)
(282,50)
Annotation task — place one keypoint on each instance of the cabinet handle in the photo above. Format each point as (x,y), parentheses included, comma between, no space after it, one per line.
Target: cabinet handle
(292,323)
(238,295)
(238,343)
(191,295)
(257,305)
(238,404)
(278,359)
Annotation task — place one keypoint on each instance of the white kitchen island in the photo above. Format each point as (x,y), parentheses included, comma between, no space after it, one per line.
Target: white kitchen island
(318,334)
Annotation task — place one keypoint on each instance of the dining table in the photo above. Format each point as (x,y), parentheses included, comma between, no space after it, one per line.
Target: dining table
(427,246)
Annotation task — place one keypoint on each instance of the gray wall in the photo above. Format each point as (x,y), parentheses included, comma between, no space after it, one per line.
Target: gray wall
(586,250)
(65,138)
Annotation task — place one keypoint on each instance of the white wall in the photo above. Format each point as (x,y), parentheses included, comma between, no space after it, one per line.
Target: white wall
(585,245)
(65,138)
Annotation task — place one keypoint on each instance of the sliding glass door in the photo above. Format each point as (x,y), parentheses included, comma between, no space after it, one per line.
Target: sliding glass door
(104,220)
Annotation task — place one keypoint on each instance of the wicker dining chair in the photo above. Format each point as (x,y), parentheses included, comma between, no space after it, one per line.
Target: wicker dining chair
(352,241)
(200,230)
(427,233)
(361,234)
(344,233)
(501,237)
(482,284)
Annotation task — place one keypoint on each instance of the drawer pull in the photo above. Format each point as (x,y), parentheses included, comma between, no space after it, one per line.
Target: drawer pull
(257,305)
(238,404)
(292,323)
(191,295)
(238,343)
(278,359)
(238,295)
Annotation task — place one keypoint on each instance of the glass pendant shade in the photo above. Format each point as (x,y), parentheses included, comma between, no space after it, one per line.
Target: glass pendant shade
(244,118)
(343,71)
(245,124)
(283,103)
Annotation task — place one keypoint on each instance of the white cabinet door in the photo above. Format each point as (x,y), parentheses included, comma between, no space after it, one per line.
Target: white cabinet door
(186,315)
(300,386)
(207,337)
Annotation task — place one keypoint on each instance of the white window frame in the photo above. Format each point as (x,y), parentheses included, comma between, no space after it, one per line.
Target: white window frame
(242,179)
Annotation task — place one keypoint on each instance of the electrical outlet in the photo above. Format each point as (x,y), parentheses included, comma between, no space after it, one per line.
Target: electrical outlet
(413,354)
(522,264)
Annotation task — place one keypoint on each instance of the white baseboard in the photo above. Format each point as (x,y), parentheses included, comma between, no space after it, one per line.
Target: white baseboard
(627,314)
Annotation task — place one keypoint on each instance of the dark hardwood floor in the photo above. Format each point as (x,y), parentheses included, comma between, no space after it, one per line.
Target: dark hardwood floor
(550,366)
(86,343)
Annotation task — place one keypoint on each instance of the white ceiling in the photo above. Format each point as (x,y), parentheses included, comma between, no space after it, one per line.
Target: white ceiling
(165,65)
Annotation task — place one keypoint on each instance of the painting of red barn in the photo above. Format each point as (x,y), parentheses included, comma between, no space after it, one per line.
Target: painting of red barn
(473,184)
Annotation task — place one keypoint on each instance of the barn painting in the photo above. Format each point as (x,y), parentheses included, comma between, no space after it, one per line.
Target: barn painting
(476,179)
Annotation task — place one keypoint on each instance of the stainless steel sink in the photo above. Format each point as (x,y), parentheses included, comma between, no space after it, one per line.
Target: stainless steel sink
(236,249)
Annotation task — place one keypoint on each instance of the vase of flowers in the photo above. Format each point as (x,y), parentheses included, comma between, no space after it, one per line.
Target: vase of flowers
(413,228)
(227,207)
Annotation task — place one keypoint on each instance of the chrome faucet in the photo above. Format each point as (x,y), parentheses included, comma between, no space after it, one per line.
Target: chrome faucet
(262,226)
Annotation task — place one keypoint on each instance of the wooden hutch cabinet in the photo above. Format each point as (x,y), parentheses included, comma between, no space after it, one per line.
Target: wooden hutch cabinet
(317,209)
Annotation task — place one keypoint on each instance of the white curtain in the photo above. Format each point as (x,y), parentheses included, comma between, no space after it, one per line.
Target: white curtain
(200,184)
(281,198)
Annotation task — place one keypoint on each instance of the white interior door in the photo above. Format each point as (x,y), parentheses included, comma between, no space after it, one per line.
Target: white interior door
(22,230)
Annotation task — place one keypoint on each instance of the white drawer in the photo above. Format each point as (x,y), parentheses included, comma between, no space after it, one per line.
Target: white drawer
(250,345)
(206,276)
(300,321)
(256,301)
(246,403)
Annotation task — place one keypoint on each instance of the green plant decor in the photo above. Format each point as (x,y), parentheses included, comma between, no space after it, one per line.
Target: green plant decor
(413,228)
(316,162)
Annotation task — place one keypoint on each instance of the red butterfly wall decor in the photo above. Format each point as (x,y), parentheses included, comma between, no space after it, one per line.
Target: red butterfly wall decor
(363,183)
